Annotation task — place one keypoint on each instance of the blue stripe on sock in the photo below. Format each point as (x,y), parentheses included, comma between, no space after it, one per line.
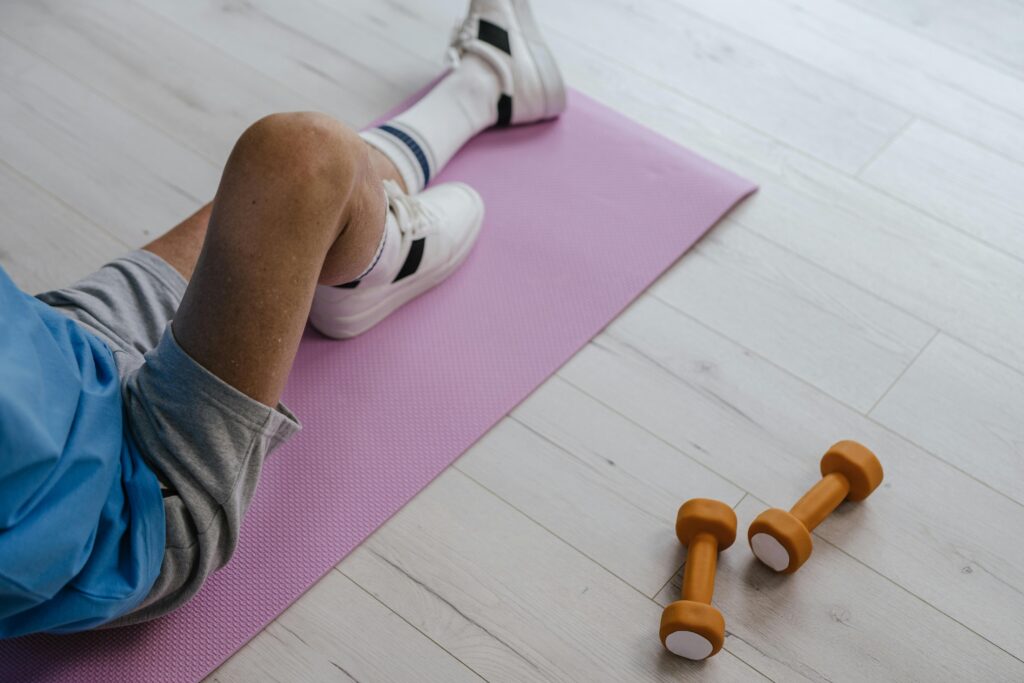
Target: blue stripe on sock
(415,148)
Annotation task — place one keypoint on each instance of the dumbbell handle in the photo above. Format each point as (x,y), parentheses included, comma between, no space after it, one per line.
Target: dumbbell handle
(821,500)
(701,563)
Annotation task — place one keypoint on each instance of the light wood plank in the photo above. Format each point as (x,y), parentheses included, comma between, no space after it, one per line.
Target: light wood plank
(116,170)
(639,480)
(991,29)
(512,601)
(822,329)
(836,620)
(656,474)
(965,408)
(334,60)
(338,632)
(766,431)
(939,274)
(44,244)
(957,181)
(918,75)
(175,81)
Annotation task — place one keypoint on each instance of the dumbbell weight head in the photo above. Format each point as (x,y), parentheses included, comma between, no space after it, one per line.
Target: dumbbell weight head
(705,515)
(858,464)
(691,628)
(782,541)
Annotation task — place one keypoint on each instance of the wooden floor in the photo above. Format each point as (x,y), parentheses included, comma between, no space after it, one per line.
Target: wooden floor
(873,289)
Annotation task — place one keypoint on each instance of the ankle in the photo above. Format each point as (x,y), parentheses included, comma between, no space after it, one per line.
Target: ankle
(480,88)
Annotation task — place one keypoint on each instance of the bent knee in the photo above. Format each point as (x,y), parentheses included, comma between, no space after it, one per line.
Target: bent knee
(302,147)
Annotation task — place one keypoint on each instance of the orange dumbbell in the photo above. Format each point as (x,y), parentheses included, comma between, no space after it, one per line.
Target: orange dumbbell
(782,540)
(691,627)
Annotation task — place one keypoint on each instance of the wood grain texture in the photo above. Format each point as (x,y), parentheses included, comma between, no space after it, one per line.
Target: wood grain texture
(822,329)
(965,408)
(632,532)
(920,76)
(43,243)
(175,81)
(956,180)
(338,632)
(109,165)
(989,29)
(513,601)
(330,58)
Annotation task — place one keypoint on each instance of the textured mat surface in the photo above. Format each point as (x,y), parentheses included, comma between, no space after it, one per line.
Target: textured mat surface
(582,215)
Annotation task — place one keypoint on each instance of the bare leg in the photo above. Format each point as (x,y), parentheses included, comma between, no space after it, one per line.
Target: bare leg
(180,246)
(300,203)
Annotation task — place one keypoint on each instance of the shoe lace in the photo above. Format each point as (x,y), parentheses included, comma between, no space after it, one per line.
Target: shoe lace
(413,217)
(462,34)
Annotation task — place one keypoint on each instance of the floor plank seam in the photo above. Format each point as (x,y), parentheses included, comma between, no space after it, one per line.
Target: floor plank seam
(939,219)
(854,86)
(411,625)
(807,384)
(613,492)
(741,123)
(1005,68)
(856,285)
(227,55)
(914,595)
(63,204)
(903,373)
(885,148)
(547,530)
(124,107)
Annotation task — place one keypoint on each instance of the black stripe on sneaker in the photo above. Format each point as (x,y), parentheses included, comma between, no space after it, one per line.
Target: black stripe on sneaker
(494,35)
(412,261)
(413,146)
(349,285)
(504,111)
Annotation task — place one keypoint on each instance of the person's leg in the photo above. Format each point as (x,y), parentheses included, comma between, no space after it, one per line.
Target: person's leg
(507,76)
(299,203)
(504,75)
(180,246)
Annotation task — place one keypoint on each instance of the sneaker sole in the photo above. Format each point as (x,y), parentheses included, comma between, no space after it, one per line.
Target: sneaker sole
(349,326)
(547,69)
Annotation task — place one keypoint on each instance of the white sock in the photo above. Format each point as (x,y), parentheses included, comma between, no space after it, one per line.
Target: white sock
(422,140)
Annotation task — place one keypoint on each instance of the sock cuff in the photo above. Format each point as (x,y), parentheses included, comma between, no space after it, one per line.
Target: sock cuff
(402,148)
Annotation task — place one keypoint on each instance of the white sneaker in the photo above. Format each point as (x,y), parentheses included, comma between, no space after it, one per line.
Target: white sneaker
(434,231)
(504,33)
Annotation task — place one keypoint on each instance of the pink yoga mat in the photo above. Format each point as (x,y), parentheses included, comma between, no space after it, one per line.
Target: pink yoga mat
(582,215)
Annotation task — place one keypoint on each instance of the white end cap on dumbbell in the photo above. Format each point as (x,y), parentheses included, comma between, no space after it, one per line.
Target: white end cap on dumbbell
(689,644)
(770,551)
